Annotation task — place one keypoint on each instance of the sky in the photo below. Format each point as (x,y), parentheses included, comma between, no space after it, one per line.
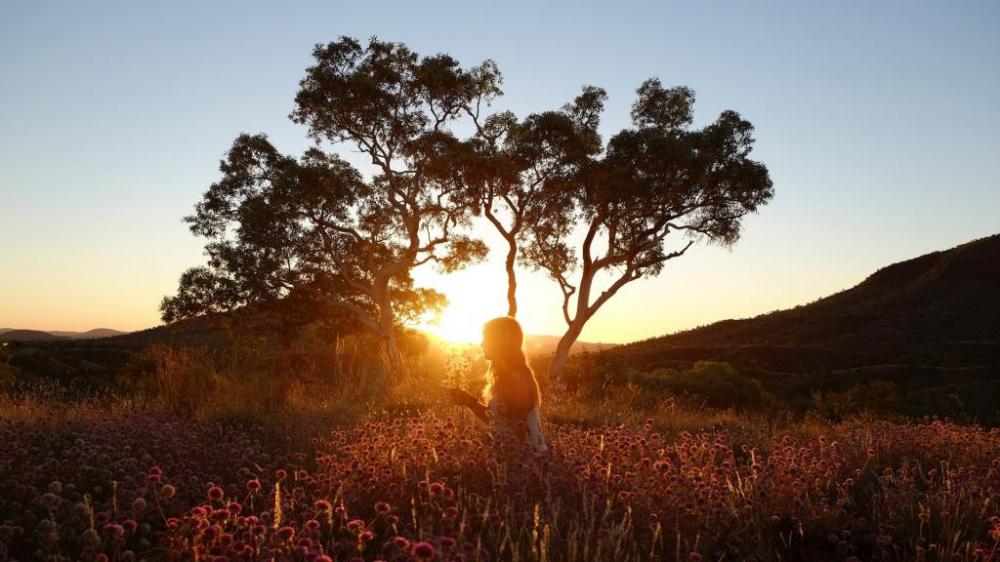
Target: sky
(877,121)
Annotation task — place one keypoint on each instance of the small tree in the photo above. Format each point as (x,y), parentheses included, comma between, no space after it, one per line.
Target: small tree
(277,224)
(656,178)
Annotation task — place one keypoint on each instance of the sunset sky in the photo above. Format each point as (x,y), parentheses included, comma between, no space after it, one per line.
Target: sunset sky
(878,122)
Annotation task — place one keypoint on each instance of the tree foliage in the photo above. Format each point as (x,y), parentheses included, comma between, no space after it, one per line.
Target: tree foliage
(622,200)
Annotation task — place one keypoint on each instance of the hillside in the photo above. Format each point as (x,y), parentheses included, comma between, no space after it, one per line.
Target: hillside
(930,325)
(931,321)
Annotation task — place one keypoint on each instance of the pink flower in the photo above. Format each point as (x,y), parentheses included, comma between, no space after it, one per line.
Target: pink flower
(286,533)
(423,551)
(215,493)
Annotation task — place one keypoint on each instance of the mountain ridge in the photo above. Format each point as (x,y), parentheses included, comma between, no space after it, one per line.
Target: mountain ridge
(27,334)
(929,324)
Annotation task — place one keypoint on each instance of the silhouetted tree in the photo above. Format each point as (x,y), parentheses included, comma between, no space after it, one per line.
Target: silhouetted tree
(653,179)
(278,224)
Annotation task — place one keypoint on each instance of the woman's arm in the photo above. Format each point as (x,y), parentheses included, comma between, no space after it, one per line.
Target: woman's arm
(463,398)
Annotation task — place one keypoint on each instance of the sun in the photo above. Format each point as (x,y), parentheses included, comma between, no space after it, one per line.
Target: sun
(475,295)
(455,326)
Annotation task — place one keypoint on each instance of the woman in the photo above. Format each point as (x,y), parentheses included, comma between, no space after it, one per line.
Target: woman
(511,393)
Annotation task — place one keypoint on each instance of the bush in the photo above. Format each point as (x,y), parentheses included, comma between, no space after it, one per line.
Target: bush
(592,374)
(876,397)
(7,375)
(718,384)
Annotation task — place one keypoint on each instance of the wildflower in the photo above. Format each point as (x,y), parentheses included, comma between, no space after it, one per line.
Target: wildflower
(215,493)
(115,530)
(286,533)
(253,485)
(382,508)
(168,491)
(423,551)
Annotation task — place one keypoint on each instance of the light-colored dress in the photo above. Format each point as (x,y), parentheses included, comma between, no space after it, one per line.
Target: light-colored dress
(504,425)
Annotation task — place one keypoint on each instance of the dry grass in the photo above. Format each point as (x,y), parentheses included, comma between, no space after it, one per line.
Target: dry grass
(249,454)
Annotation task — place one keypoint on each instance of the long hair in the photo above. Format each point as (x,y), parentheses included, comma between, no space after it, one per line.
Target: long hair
(509,378)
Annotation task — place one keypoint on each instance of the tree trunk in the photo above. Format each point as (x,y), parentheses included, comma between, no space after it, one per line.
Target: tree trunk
(387,329)
(392,352)
(511,280)
(562,351)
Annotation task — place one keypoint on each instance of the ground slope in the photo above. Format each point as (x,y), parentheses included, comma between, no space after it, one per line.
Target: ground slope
(926,322)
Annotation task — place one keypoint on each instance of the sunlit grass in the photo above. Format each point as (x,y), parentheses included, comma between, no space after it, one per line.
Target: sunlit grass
(220,461)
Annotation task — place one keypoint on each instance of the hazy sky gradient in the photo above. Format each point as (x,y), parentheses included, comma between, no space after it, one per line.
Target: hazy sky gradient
(878,122)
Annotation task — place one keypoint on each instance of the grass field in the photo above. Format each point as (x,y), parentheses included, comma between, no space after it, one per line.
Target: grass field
(334,475)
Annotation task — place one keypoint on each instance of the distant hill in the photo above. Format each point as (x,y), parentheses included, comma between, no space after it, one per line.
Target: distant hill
(29,335)
(91,334)
(539,345)
(8,334)
(931,321)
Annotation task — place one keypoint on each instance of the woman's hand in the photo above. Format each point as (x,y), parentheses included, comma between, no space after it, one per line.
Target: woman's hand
(461,397)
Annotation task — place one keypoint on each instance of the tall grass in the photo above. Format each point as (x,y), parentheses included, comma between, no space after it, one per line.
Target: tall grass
(259,380)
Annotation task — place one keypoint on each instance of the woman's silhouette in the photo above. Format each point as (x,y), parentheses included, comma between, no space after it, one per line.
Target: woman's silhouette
(512,395)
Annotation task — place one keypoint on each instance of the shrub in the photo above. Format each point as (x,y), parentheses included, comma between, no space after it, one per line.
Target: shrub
(875,397)
(7,375)
(718,384)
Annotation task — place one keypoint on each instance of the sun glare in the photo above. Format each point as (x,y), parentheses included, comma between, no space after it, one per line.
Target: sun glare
(455,326)
(475,295)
